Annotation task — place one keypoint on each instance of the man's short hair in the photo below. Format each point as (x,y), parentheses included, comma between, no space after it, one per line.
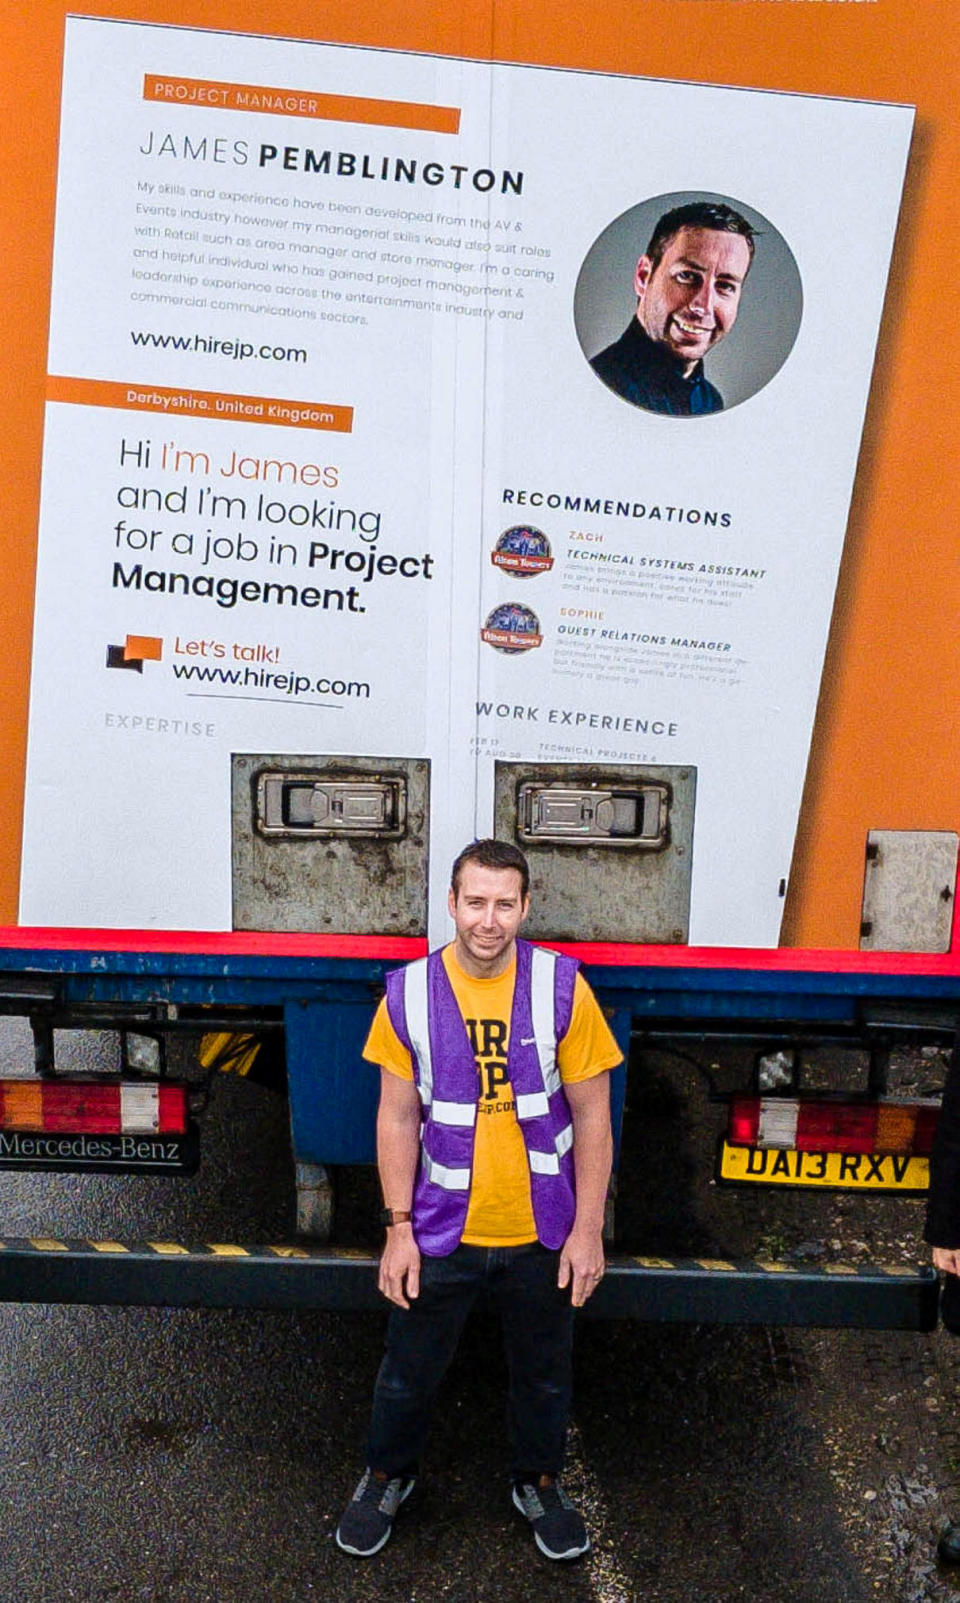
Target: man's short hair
(698,214)
(492,854)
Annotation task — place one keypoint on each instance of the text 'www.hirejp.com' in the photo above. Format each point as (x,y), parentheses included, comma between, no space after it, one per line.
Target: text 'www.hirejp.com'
(208,345)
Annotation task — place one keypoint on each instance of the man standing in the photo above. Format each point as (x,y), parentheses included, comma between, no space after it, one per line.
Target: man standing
(494,1149)
(688,284)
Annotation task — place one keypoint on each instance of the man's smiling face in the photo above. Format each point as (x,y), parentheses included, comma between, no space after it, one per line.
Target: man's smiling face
(689,301)
(488,908)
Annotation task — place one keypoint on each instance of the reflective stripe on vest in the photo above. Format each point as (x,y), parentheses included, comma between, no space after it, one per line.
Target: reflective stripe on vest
(461,1113)
(549,1162)
(439,1175)
(541,1008)
(418,1025)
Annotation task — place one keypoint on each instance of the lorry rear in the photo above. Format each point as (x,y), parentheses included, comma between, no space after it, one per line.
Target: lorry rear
(332,548)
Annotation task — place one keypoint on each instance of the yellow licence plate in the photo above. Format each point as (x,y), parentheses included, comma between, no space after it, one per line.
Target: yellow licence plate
(856,1171)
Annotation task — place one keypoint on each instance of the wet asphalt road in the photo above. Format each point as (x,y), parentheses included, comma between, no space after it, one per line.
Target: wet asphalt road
(202,1457)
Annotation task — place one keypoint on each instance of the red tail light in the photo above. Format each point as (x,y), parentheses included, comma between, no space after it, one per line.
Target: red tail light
(743,1122)
(92,1108)
(836,1127)
(903,1127)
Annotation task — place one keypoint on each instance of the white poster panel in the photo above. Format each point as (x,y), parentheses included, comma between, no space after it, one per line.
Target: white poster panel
(333,419)
(684,616)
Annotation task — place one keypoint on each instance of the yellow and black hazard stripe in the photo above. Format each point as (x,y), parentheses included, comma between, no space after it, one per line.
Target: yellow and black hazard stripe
(289,1275)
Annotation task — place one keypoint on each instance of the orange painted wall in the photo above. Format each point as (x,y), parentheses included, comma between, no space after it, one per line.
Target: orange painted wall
(887,741)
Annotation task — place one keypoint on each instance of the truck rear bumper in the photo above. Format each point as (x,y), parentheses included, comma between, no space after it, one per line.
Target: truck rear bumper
(224,1275)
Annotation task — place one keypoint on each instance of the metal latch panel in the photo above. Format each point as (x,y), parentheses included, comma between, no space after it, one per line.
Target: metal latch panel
(635,817)
(909,889)
(299,805)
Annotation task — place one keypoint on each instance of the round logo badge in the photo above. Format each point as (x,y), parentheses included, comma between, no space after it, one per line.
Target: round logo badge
(523,551)
(511,627)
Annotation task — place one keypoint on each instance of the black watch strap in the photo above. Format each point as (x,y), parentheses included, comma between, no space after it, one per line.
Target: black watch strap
(394,1216)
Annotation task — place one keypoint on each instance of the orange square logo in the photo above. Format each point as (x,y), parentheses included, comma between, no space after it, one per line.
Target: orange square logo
(147,647)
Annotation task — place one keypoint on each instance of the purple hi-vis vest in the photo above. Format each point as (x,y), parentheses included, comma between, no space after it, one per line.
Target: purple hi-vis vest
(424,1013)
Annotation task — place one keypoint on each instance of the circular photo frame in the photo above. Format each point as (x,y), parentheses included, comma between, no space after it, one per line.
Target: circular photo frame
(654,362)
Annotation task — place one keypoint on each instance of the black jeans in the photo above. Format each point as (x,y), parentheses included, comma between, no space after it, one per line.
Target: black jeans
(537,1320)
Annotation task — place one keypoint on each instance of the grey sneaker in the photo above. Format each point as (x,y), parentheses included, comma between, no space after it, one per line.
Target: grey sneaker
(558,1528)
(367,1520)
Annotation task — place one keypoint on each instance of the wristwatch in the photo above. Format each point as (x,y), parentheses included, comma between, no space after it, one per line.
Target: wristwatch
(394,1216)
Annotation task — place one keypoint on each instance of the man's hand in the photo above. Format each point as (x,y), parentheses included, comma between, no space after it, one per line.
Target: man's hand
(581,1264)
(947,1260)
(400,1266)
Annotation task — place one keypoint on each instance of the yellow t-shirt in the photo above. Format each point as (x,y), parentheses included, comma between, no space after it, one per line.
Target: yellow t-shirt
(500,1213)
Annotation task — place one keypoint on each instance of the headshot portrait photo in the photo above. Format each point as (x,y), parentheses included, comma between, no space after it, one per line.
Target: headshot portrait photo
(688,304)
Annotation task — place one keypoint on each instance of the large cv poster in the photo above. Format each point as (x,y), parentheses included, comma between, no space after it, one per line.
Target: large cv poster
(442,409)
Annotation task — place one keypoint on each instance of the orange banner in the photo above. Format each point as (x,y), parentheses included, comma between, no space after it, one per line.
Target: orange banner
(893,632)
(300,103)
(212,404)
